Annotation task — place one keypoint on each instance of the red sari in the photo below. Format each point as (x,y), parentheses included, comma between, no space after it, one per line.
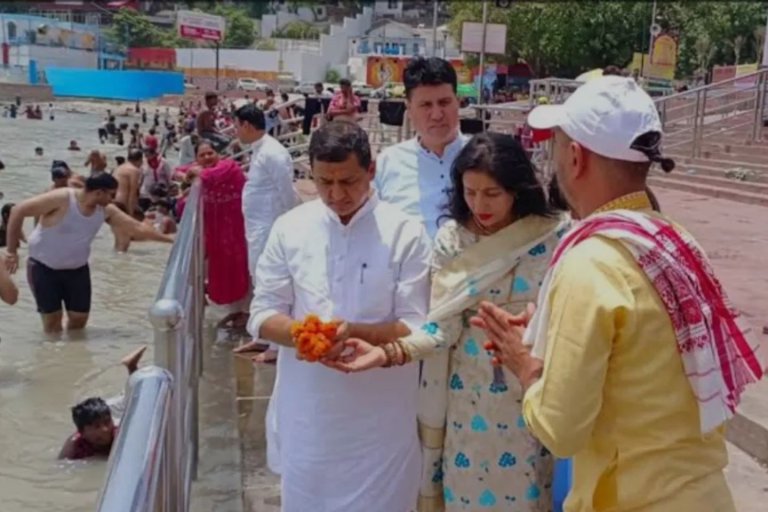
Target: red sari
(224,228)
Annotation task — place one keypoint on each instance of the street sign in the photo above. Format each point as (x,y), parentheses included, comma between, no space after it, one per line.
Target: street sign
(472,37)
(655,29)
(198,25)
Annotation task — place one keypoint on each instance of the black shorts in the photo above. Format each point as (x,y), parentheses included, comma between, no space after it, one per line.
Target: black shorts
(52,287)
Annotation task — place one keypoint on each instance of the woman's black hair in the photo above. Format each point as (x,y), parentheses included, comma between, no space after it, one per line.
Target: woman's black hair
(650,145)
(503,159)
(204,142)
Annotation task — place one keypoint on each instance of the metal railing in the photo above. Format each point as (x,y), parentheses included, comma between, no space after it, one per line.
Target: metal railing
(555,90)
(704,112)
(177,319)
(134,474)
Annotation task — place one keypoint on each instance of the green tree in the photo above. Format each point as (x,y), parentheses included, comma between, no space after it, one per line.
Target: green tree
(332,76)
(240,32)
(567,38)
(265,44)
(297,30)
(132,29)
(730,27)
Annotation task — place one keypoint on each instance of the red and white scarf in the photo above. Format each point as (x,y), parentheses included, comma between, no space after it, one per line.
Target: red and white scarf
(712,337)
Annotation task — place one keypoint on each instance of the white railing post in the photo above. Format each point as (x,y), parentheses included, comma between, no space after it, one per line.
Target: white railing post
(167,316)
(135,476)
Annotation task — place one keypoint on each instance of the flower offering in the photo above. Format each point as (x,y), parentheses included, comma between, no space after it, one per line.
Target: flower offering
(313,337)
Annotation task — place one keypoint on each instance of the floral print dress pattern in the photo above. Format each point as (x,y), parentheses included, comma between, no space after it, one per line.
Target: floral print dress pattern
(490,461)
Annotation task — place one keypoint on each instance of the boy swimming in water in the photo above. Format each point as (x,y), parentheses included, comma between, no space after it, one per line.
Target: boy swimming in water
(93,417)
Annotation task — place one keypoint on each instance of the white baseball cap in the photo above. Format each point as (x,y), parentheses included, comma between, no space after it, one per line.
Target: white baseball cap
(605,115)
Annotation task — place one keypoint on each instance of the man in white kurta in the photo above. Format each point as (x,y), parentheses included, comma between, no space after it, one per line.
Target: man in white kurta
(345,442)
(269,191)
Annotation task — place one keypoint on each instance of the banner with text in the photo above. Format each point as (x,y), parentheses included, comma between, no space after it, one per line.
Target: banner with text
(198,25)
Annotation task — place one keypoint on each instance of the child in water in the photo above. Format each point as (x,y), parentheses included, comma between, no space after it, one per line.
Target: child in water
(93,417)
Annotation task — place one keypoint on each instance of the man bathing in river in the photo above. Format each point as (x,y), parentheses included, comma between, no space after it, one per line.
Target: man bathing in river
(128,176)
(95,419)
(62,176)
(60,246)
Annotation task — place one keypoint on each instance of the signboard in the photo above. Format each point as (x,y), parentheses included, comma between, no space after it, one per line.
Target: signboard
(641,66)
(198,25)
(472,37)
(664,57)
(382,70)
(151,58)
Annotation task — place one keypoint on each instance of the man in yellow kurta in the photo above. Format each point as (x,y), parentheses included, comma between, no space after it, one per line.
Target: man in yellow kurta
(633,359)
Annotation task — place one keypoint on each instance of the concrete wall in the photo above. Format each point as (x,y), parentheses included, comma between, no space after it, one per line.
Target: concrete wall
(382,8)
(116,85)
(57,33)
(272,22)
(9,91)
(254,60)
(308,62)
(305,67)
(48,56)
(335,46)
(52,56)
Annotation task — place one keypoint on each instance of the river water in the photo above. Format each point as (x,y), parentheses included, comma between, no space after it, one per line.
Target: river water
(41,378)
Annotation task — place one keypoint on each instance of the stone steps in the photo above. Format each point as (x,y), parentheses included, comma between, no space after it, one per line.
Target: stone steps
(708,167)
(686,184)
(748,481)
(218,483)
(716,181)
(759,164)
(260,488)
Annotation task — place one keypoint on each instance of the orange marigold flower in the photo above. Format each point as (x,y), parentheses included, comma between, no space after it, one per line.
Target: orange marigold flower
(313,337)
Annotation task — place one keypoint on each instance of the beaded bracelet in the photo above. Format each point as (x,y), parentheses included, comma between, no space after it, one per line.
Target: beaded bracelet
(390,352)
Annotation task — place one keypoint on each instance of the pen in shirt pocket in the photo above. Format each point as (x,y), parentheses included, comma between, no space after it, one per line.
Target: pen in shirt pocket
(362,271)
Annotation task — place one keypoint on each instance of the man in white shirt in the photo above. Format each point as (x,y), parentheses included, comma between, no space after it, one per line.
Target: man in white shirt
(343,442)
(187,146)
(415,175)
(268,192)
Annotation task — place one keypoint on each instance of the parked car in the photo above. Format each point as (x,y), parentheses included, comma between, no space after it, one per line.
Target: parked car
(286,83)
(251,84)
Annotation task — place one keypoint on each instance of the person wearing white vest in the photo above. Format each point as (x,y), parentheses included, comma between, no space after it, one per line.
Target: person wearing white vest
(60,246)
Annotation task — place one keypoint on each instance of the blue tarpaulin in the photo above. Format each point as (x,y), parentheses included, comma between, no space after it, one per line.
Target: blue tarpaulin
(114,85)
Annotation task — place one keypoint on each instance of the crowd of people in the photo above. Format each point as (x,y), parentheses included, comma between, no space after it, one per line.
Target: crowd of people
(13,110)
(488,321)
(569,320)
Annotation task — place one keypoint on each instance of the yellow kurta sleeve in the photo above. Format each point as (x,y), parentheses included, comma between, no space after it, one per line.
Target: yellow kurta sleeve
(589,302)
